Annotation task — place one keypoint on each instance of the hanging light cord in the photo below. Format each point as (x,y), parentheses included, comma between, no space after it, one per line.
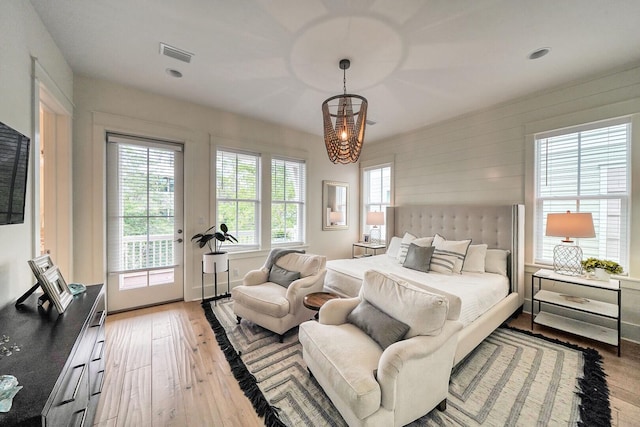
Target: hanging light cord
(344,80)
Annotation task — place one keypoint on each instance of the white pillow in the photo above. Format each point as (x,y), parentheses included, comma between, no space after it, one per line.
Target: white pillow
(475,259)
(404,247)
(423,241)
(394,247)
(449,255)
(496,261)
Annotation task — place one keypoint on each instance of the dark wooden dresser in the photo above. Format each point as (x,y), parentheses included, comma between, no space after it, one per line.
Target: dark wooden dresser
(61,362)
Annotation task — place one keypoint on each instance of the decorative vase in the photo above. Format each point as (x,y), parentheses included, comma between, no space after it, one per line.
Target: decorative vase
(602,275)
(215,262)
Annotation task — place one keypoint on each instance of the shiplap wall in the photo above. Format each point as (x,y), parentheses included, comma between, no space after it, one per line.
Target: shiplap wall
(485,157)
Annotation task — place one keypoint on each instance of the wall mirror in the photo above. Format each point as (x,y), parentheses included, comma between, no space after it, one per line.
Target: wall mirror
(335,210)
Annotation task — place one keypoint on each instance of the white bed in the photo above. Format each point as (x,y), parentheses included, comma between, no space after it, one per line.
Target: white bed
(485,300)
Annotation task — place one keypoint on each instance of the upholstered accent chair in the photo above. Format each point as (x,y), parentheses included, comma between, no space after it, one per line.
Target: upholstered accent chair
(376,371)
(272,296)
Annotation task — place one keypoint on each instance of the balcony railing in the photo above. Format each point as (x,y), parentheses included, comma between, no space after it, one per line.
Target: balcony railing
(140,253)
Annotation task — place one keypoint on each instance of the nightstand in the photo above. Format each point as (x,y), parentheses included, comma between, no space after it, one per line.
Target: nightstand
(576,303)
(367,246)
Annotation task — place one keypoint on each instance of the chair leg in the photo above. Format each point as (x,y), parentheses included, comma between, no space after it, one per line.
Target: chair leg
(442,406)
(281,338)
(238,319)
(310,373)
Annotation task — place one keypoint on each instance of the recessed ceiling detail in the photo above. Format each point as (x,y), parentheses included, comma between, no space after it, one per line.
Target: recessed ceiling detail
(175,53)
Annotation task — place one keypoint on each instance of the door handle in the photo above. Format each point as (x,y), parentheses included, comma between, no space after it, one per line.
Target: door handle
(178,240)
(179,231)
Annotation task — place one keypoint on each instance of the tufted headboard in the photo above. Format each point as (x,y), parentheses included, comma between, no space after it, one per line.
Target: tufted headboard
(499,226)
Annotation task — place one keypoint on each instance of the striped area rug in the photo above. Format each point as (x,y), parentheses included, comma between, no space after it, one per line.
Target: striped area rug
(513,378)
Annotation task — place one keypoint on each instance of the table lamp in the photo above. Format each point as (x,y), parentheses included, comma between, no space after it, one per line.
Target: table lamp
(567,257)
(375,219)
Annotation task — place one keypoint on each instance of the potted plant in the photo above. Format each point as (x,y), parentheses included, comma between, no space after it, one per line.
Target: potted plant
(214,261)
(601,268)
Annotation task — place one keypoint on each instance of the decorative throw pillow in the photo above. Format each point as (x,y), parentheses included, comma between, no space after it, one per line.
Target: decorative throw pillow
(419,257)
(282,276)
(394,247)
(424,241)
(404,246)
(496,261)
(382,328)
(449,254)
(475,259)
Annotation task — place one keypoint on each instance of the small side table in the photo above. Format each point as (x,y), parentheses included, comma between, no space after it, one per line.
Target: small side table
(367,246)
(315,300)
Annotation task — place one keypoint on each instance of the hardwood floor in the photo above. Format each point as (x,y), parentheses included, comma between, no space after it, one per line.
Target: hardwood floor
(164,368)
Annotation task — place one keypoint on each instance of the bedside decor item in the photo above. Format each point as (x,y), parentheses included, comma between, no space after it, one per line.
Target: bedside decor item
(567,257)
(216,260)
(57,289)
(344,123)
(602,269)
(375,219)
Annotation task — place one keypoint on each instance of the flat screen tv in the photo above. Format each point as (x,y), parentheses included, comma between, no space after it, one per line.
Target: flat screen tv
(14,161)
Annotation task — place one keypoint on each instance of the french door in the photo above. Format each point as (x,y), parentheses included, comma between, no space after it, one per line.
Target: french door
(144,226)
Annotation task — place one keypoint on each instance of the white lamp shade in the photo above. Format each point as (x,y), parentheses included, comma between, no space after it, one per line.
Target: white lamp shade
(570,225)
(336,216)
(375,218)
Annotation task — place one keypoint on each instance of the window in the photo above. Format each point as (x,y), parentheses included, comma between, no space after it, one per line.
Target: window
(238,196)
(376,187)
(287,201)
(585,169)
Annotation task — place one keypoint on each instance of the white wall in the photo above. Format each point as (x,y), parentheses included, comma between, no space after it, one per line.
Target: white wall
(486,157)
(22,36)
(102,105)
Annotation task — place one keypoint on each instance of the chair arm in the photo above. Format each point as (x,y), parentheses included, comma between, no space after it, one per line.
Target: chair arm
(256,277)
(301,287)
(335,311)
(431,355)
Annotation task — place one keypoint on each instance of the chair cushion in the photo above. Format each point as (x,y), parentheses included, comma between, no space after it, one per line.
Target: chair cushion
(347,357)
(424,312)
(306,264)
(282,276)
(267,298)
(384,329)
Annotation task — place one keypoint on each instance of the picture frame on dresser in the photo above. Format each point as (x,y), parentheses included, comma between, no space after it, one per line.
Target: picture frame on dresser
(56,289)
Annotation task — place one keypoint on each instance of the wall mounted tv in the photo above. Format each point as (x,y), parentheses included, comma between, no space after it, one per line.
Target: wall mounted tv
(14,161)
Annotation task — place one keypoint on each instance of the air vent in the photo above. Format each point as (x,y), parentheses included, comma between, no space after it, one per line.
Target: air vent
(175,53)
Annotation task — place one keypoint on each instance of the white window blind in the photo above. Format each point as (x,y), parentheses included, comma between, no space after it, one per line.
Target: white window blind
(376,194)
(288,187)
(585,169)
(238,196)
(141,200)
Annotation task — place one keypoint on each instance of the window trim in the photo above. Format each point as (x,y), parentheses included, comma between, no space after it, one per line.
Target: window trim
(535,201)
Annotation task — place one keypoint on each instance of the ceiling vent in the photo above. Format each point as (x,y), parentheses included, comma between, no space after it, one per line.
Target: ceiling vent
(175,53)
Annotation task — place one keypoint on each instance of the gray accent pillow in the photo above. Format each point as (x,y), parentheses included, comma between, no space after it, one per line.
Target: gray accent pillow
(382,328)
(418,257)
(282,276)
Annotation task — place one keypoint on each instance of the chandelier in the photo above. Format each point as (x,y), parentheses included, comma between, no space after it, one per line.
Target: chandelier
(344,127)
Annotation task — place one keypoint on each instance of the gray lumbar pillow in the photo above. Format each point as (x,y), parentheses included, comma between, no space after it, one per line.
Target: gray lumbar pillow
(418,257)
(382,328)
(282,276)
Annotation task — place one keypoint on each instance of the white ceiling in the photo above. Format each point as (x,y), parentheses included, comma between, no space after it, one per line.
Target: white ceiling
(416,61)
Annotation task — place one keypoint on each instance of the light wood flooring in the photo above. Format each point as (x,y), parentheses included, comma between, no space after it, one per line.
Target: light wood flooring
(164,368)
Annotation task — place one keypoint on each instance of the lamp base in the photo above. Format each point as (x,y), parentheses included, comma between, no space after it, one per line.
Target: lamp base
(567,260)
(375,235)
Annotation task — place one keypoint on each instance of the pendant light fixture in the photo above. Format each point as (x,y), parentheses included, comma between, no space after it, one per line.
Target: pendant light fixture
(345,118)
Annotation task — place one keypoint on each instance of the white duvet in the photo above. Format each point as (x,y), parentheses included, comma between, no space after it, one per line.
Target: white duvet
(478,292)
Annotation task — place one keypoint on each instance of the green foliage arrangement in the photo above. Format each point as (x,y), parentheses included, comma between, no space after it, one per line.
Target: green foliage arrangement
(611,267)
(218,237)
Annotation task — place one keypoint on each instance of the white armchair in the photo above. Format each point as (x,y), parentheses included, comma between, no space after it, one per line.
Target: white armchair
(372,386)
(275,306)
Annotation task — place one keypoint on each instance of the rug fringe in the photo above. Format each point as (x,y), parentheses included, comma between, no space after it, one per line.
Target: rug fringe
(246,380)
(595,409)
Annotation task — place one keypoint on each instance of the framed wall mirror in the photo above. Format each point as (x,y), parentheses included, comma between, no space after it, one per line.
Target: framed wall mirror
(335,209)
